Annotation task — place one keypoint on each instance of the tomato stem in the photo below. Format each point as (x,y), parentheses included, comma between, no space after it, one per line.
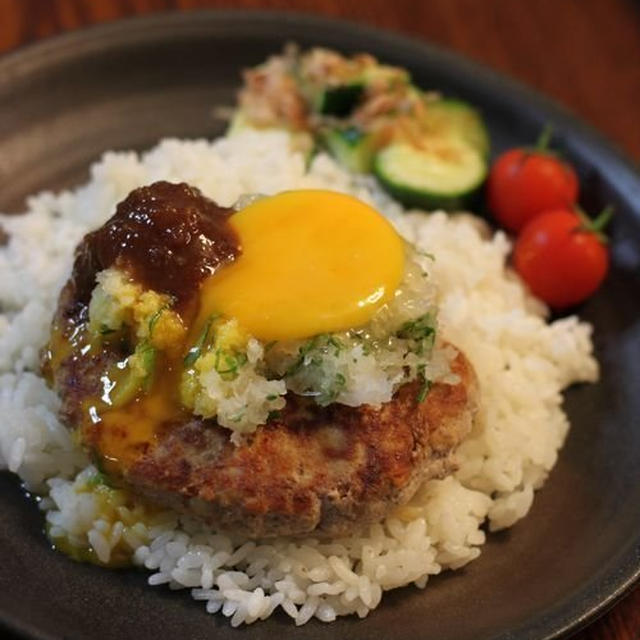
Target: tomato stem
(544,139)
(602,219)
(596,225)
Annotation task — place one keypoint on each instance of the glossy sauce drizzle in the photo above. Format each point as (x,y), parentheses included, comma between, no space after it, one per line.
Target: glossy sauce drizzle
(169,238)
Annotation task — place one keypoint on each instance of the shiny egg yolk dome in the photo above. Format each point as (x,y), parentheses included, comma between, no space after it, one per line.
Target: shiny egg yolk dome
(312,262)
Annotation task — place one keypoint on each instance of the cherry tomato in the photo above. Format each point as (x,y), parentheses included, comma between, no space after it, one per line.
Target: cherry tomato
(524,183)
(561,257)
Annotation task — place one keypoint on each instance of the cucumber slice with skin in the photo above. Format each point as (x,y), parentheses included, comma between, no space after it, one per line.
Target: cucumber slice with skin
(342,97)
(338,101)
(449,117)
(445,174)
(351,147)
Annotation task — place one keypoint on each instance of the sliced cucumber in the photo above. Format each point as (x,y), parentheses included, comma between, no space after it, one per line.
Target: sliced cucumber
(238,123)
(338,101)
(300,140)
(341,100)
(442,174)
(351,147)
(449,117)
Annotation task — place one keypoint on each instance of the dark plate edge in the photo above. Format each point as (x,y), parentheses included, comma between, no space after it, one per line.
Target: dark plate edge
(620,171)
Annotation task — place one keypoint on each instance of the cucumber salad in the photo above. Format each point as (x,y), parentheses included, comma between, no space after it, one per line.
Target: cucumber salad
(426,150)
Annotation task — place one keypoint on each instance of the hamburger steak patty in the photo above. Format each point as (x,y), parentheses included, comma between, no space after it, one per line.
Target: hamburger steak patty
(313,470)
(309,470)
(320,470)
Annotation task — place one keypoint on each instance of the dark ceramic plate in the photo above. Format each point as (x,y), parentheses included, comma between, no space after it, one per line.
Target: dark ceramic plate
(125,85)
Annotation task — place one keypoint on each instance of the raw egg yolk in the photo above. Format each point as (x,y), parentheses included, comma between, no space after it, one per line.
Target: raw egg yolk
(312,262)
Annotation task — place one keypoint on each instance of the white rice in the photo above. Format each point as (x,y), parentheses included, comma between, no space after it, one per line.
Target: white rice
(522,364)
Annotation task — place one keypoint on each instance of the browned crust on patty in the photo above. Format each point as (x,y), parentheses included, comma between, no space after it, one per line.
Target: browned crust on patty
(320,471)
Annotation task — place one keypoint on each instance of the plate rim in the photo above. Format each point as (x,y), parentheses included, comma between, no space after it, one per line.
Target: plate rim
(622,173)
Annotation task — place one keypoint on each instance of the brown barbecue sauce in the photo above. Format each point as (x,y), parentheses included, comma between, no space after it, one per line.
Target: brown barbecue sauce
(168,237)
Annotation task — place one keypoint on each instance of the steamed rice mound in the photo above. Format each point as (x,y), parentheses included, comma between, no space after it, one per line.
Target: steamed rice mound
(522,364)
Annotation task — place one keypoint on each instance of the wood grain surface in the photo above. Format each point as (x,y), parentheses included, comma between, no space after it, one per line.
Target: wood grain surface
(584,53)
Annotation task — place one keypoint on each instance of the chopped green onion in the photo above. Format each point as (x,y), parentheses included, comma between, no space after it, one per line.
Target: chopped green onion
(96,479)
(156,316)
(425,387)
(196,351)
(421,331)
(418,329)
(327,396)
(227,363)
(147,353)
(335,343)
(426,254)
(303,352)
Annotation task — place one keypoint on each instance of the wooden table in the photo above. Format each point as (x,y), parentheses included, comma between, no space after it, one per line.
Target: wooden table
(584,53)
